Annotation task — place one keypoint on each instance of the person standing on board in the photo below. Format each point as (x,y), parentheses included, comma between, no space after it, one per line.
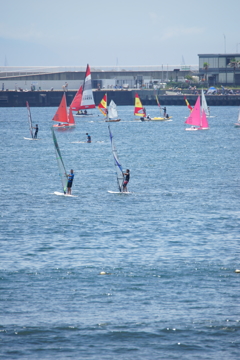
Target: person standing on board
(70,181)
(88,138)
(164,111)
(126,180)
(36,131)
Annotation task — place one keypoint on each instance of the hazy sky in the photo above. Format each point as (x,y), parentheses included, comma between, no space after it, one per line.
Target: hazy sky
(125,32)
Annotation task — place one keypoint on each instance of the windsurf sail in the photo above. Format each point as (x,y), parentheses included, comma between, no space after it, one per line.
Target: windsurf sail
(187,103)
(76,103)
(87,96)
(139,110)
(119,169)
(61,115)
(61,167)
(103,106)
(29,119)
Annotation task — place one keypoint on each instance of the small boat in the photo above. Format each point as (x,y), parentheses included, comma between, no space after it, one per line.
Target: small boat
(139,110)
(84,100)
(197,118)
(62,116)
(110,112)
(237,124)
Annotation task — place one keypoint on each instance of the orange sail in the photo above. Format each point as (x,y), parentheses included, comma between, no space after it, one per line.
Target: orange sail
(71,121)
(103,105)
(139,110)
(61,115)
(76,103)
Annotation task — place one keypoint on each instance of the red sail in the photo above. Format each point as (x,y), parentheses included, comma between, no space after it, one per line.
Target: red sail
(76,103)
(61,113)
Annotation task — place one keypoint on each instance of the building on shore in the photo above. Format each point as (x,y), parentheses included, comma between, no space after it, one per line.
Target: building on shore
(220,69)
(59,78)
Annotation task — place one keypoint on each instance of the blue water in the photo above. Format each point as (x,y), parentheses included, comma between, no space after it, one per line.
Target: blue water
(170,248)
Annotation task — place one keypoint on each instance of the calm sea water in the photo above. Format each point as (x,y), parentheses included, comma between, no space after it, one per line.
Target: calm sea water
(170,248)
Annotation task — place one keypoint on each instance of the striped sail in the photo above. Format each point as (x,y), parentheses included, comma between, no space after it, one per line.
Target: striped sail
(61,167)
(119,169)
(29,119)
(103,105)
(139,109)
(87,96)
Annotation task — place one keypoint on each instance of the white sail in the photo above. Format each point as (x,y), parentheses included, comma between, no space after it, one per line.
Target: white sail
(87,101)
(29,119)
(112,110)
(204,104)
(61,167)
(119,169)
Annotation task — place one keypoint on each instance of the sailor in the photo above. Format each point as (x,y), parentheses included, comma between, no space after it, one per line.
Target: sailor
(70,181)
(126,180)
(88,138)
(164,111)
(36,131)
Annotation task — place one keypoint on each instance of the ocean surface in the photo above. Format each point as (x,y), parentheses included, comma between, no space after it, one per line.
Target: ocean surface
(169,249)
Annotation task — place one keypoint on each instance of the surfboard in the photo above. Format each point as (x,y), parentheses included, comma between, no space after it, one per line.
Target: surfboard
(31,139)
(119,192)
(62,194)
(78,142)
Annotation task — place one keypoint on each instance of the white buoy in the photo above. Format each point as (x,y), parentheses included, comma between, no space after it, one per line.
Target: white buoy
(237,271)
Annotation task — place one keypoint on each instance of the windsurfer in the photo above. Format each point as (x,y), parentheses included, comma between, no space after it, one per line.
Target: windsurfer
(126,180)
(88,138)
(164,111)
(70,181)
(36,131)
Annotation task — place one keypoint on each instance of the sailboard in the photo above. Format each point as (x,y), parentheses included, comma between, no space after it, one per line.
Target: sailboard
(118,166)
(63,194)
(61,167)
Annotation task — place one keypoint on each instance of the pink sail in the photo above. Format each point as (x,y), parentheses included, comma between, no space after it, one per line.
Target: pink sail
(204,121)
(195,116)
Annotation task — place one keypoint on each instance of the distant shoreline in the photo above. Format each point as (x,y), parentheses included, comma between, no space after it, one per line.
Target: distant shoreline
(43,98)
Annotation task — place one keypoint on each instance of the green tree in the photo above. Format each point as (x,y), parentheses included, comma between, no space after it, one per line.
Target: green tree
(206,66)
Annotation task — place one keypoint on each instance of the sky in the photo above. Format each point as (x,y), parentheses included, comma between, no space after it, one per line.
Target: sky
(110,33)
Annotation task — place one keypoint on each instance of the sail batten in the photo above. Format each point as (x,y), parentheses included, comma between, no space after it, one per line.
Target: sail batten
(118,166)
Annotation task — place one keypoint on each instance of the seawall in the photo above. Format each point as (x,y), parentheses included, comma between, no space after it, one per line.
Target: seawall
(121,97)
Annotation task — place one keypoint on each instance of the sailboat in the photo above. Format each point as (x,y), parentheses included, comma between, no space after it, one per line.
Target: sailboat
(237,124)
(61,167)
(62,116)
(84,97)
(110,113)
(30,123)
(197,118)
(119,170)
(139,110)
(204,104)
